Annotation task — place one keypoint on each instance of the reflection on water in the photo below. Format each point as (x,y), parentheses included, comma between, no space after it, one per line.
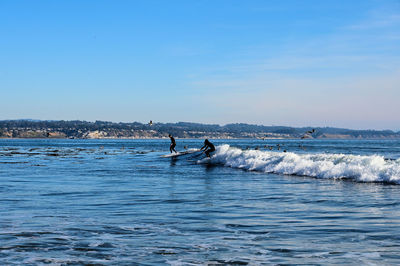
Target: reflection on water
(118,202)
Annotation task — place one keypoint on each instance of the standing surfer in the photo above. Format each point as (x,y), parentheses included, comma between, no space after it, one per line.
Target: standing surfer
(208,147)
(173,144)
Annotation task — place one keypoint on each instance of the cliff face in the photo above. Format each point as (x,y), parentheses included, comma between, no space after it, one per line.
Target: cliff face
(99,129)
(27,133)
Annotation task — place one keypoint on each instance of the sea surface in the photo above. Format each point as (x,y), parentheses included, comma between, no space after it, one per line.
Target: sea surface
(255,202)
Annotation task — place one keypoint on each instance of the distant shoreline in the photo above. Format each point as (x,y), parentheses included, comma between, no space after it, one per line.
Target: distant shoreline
(166,138)
(27,129)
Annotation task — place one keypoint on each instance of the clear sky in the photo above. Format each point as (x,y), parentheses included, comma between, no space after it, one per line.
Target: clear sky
(296,63)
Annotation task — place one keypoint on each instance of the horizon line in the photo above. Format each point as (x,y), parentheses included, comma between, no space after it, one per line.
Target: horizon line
(221,125)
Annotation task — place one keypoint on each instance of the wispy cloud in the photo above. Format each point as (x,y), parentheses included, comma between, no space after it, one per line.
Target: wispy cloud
(355,102)
(378,20)
(347,78)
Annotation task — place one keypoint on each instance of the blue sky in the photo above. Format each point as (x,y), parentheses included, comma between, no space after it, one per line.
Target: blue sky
(296,63)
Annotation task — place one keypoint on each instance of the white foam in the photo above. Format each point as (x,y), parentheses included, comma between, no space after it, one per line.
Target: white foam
(372,168)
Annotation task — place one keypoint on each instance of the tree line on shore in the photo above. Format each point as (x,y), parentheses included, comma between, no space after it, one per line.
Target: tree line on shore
(104,129)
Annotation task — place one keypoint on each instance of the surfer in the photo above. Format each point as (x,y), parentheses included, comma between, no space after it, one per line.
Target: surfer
(173,144)
(208,147)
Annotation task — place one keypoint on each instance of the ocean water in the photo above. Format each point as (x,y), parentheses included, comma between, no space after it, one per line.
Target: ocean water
(119,202)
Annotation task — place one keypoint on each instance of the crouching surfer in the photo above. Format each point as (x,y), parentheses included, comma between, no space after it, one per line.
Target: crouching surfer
(173,144)
(208,148)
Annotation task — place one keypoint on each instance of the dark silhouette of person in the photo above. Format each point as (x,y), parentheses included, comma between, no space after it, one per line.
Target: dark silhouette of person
(208,148)
(173,144)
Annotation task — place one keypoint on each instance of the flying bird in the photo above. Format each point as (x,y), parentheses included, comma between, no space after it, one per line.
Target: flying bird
(310,131)
(308,134)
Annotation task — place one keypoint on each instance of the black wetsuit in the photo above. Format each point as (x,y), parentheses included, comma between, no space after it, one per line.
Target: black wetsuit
(173,144)
(209,147)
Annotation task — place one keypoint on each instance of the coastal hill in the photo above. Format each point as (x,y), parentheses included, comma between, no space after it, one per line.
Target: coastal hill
(102,129)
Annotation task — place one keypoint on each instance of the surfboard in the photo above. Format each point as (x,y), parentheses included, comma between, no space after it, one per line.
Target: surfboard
(173,155)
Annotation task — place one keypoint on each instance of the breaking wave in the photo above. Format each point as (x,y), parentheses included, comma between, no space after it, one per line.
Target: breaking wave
(372,168)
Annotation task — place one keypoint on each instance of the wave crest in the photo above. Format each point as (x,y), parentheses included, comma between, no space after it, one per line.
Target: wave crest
(357,167)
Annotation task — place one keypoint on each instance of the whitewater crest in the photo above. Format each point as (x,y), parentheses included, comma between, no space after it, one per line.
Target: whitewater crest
(372,168)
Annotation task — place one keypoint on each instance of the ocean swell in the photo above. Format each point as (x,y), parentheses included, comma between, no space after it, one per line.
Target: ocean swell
(356,167)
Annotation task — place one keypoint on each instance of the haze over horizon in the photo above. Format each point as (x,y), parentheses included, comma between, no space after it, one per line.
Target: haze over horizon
(173,122)
(330,63)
